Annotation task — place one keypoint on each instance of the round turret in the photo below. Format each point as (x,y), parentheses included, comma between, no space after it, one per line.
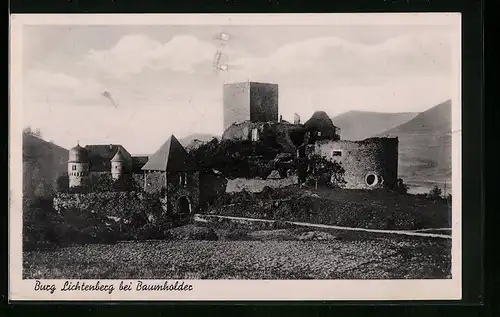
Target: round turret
(117,165)
(78,166)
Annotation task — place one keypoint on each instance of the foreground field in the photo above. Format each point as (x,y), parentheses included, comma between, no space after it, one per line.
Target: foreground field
(381,258)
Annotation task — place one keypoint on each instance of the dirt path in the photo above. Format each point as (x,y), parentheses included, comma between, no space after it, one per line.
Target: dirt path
(201,218)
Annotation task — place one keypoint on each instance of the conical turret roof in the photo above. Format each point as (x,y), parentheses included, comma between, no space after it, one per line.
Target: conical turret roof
(78,154)
(119,157)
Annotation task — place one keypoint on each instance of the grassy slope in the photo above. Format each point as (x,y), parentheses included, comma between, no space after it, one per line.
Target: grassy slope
(361,259)
(425,147)
(351,208)
(43,163)
(358,125)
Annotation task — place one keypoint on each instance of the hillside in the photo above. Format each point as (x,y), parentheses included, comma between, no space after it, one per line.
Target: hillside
(425,148)
(43,163)
(359,125)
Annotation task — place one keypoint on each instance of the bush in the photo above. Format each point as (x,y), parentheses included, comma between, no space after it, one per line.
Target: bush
(401,187)
(325,172)
(101,183)
(40,224)
(435,193)
(63,184)
(236,159)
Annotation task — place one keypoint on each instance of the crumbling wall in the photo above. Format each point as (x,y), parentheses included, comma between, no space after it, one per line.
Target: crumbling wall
(368,164)
(287,135)
(108,203)
(257,185)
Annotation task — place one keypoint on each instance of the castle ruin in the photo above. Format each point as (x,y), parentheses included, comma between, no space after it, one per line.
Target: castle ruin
(251,113)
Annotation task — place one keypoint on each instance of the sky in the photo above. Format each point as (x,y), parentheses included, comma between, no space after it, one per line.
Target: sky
(137,85)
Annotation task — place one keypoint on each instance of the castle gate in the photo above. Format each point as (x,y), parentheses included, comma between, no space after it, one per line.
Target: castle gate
(184,206)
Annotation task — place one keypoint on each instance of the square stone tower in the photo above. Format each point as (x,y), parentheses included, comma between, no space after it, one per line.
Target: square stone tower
(257,102)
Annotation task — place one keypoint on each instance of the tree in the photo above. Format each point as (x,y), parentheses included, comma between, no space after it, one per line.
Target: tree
(235,158)
(63,184)
(29,130)
(101,183)
(435,193)
(126,183)
(401,187)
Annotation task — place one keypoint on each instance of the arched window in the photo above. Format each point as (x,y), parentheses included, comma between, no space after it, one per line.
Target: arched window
(255,135)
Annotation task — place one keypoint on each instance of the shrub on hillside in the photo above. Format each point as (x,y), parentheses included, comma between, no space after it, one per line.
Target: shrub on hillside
(435,193)
(40,224)
(44,190)
(101,183)
(96,218)
(401,187)
(126,183)
(63,184)
(235,159)
(325,173)
(83,226)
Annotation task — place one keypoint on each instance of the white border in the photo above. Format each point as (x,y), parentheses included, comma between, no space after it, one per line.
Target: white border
(20,289)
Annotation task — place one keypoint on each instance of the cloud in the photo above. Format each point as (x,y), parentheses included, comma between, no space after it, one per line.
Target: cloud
(42,84)
(135,53)
(163,88)
(412,54)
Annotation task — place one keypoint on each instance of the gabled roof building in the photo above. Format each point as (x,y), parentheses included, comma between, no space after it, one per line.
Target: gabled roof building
(171,169)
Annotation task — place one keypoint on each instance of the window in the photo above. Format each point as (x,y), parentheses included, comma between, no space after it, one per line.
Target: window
(319,133)
(255,135)
(336,153)
(183,179)
(73,167)
(372,179)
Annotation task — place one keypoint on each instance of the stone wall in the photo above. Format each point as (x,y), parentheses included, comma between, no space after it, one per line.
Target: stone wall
(287,135)
(155,182)
(190,191)
(368,164)
(112,204)
(257,185)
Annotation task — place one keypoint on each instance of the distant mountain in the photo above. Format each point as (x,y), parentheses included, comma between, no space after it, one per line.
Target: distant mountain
(425,148)
(43,163)
(359,125)
(204,137)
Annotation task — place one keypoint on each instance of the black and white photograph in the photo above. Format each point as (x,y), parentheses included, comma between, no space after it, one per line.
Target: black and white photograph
(183,150)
